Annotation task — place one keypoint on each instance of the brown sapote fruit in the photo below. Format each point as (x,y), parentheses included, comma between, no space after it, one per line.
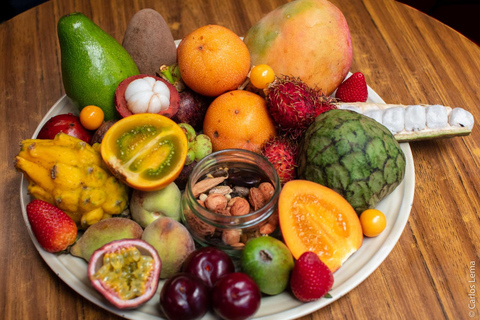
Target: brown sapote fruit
(150,99)
(136,258)
(100,132)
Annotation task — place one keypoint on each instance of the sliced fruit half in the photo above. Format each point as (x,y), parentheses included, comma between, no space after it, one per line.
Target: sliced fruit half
(126,272)
(146,151)
(316,218)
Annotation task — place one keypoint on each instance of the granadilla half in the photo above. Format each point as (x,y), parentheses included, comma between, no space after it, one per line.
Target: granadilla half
(294,105)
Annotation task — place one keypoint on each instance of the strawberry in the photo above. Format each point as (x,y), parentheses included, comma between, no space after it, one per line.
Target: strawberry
(311,279)
(354,89)
(54,229)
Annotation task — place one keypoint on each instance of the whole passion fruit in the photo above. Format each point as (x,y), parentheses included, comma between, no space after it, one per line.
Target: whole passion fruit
(126,272)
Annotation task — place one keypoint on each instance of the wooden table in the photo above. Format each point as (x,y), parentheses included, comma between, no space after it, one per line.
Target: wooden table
(406,57)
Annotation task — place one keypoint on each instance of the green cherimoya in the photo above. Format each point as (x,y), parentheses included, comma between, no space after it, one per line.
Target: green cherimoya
(353,155)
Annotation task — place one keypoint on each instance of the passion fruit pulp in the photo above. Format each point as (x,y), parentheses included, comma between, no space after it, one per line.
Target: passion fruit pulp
(126,272)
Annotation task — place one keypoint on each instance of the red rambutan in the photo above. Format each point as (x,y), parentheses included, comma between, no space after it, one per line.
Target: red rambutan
(293,105)
(282,154)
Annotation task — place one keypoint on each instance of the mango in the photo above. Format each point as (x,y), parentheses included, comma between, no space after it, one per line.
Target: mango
(103,232)
(309,39)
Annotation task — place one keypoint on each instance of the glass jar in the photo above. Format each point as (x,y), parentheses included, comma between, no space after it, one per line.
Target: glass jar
(232,169)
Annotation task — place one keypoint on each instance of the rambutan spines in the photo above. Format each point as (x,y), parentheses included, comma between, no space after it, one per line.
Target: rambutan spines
(293,105)
(282,154)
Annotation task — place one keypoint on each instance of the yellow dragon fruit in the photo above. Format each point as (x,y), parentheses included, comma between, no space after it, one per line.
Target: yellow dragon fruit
(70,174)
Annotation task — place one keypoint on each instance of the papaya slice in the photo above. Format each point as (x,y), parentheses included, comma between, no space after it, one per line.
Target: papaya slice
(145,151)
(318,219)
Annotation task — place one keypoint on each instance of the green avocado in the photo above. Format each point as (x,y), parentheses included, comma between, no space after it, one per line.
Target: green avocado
(93,63)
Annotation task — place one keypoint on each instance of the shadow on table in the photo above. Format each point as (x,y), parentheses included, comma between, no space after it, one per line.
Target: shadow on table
(10,8)
(461,15)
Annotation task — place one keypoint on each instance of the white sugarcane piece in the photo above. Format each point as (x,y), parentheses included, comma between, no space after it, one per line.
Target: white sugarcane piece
(416,122)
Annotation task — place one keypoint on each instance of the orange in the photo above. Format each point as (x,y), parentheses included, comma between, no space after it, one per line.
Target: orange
(146,151)
(212,60)
(238,119)
(318,219)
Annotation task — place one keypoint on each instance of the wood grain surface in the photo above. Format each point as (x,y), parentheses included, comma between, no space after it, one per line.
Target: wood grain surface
(406,57)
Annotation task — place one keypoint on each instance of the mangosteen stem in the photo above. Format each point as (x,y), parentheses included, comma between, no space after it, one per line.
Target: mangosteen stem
(172,75)
(165,71)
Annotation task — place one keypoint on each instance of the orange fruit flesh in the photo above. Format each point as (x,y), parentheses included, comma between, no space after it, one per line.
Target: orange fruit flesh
(316,218)
(145,151)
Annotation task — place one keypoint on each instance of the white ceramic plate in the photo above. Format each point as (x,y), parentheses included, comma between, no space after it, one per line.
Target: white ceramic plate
(73,271)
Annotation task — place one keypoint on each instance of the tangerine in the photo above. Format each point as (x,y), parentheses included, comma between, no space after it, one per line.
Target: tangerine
(212,60)
(238,119)
(318,219)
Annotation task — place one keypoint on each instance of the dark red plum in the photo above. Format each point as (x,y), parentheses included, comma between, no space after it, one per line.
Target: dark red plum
(236,297)
(185,297)
(208,264)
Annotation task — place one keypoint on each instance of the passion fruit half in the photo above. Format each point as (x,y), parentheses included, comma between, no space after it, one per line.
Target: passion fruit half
(144,93)
(126,272)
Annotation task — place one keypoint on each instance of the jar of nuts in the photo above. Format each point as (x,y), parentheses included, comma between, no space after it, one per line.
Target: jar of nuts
(231,196)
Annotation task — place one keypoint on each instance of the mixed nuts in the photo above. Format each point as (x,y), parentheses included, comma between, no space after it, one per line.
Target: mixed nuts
(231,193)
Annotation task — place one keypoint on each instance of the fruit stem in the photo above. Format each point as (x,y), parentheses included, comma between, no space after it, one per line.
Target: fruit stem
(165,71)
(172,75)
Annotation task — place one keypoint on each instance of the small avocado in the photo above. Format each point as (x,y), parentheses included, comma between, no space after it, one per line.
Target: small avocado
(93,63)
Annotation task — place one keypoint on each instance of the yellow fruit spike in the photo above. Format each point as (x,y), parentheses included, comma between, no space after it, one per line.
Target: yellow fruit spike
(68,139)
(48,155)
(36,173)
(94,176)
(66,177)
(68,200)
(61,139)
(96,147)
(88,156)
(117,196)
(91,217)
(39,193)
(92,198)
